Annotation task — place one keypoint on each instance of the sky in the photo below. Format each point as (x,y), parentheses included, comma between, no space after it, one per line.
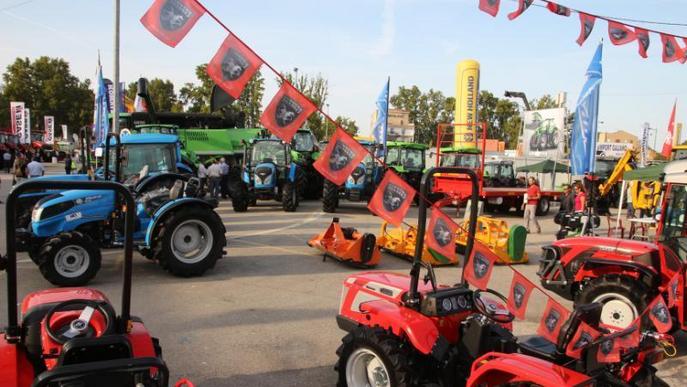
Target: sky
(357,44)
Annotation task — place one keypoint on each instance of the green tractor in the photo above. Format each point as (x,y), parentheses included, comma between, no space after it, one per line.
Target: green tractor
(408,160)
(305,149)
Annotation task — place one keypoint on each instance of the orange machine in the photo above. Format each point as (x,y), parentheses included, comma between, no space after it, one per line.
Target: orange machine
(400,241)
(347,245)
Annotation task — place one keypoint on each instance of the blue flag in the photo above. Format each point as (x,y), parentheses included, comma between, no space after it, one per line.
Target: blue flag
(380,128)
(101,122)
(583,138)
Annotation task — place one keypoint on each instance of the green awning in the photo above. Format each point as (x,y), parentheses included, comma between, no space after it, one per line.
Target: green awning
(650,173)
(546,166)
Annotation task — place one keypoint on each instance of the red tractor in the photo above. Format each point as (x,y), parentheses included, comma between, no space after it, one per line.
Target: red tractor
(624,275)
(73,336)
(405,332)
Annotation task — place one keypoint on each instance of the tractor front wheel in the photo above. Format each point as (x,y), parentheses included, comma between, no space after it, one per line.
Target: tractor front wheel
(190,241)
(623,299)
(239,197)
(69,259)
(330,196)
(289,197)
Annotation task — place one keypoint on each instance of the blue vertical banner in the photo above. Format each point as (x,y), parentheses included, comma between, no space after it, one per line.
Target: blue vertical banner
(101,121)
(380,128)
(583,138)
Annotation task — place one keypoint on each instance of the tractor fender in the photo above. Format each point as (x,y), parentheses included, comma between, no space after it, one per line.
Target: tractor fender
(596,267)
(502,368)
(182,167)
(168,208)
(293,168)
(417,328)
(149,180)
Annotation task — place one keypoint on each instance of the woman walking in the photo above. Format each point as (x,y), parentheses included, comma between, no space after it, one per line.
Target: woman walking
(533,196)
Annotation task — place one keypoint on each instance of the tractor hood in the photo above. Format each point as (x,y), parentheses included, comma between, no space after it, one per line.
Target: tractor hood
(612,245)
(74,177)
(71,201)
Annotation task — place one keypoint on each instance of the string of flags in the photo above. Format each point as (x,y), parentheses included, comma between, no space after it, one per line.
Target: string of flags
(619,33)
(235,63)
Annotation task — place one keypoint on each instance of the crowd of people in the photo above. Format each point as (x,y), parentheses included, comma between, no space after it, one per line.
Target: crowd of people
(215,176)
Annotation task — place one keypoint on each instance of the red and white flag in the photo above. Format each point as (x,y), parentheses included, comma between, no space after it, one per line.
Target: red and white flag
(620,33)
(233,66)
(642,41)
(558,9)
(584,336)
(392,199)
(341,156)
(522,7)
(659,314)
(287,112)
(520,291)
(489,6)
(555,315)
(480,265)
(171,20)
(668,143)
(441,235)
(671,50)
(586,27)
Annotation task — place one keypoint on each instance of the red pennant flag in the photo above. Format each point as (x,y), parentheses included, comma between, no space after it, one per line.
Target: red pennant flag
(671,50)
(684,51)
(586,27)
(489,6)
(555,315)
(522,7)
(441,235)
(642,41)
(478,269)
(287,112)
(584,336)
(392,199)
(620,34)
(660,315)
(558,9)
(520,291)
(341,156)
(610,350)
(233,66)
(668,143)
(171,20)
(674,289)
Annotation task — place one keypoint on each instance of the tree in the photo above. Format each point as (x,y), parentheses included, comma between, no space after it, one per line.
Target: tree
(426,110)
(250,101)
(161,94)
(196,98)
(47,87)
(545,102)
(346,124)
(316,88)
(502,117)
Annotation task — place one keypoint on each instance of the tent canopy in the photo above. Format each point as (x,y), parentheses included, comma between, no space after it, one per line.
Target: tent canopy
(546,166)
(650,173)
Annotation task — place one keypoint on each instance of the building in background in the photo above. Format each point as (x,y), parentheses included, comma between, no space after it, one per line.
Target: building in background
(400,127)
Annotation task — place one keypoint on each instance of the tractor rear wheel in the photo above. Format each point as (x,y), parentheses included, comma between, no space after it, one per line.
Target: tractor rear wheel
(69,259)
(239,197)
(289,197)
(623,299)
(374,357)
(189,241)
(330,196)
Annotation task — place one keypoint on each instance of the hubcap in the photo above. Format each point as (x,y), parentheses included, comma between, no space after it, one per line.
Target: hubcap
(365,369)
(192,241)
(617,311)
(72,261)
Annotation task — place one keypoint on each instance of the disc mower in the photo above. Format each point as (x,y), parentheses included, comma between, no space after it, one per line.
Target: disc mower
(347,245)
(406,332)
(73,336)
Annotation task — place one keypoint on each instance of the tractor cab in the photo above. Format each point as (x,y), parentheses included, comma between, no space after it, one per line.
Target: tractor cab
(407,160)
(159,152)
(499,174)
(672,227)
(305,149)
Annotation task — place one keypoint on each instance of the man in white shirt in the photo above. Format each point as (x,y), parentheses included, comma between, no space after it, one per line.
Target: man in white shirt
(202,176)
(35,168)
(224,178)
(214,175)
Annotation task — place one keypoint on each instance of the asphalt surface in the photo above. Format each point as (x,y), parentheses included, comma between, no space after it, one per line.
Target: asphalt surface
(265,315)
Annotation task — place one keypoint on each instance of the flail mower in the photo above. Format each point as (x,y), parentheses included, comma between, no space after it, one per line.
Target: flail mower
(347,245)
(400,241)
(73,336)
(406,332)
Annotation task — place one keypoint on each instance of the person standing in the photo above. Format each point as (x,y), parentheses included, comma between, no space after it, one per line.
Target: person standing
(215,177)
(35,168)
(533,195)
(68,164)
(19,168)
(7,160)
(224,178)
(203,177)
(567,199)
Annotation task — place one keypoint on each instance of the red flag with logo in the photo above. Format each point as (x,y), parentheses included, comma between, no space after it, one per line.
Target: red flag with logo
(660,315)
(620,33)
(519,295)
(558,9)
(586,27)
(171,20)
(478,269)
(522,7)
(671,50)
(341,156)
(555,315)
(668,143)
(287,112)
(584,336)
(441,235)
(684,51)
(489,6)
(642,41)
(233,66)
(610,349)
(674,286)
(392,199)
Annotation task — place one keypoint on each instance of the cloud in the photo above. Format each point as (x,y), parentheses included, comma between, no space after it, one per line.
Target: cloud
(385,43)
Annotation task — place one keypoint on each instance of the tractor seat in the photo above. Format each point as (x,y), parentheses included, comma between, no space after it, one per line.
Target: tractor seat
(84,350)
(176,190)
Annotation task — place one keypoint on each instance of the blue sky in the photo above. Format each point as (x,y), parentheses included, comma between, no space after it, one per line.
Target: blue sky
(356,44)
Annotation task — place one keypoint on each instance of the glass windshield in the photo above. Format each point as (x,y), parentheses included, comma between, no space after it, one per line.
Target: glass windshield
(393,156)
(674,220)
(158,157)
(268,152)
(679,154)
(303,142)
(465,160)
(413,158)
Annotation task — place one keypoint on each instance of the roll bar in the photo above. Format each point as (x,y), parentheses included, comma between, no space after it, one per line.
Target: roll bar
(118,150)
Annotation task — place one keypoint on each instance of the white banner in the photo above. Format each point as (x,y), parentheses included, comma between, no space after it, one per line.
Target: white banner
(611,150)
(64,132)
(18,119)
(49,134)
(27,128)
(644,145)
(543,133)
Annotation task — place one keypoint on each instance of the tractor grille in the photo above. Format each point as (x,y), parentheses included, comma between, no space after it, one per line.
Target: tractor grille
(197,136)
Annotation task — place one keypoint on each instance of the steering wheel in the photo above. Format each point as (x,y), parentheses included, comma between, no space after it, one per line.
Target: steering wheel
(80,326)
(494,310)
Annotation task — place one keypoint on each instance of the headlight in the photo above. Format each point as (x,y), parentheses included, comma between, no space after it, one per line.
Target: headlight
(36,214)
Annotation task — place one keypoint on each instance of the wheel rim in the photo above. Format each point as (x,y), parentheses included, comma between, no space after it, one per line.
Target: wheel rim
(72,261)
(617,310)
(366,369)
(191,241)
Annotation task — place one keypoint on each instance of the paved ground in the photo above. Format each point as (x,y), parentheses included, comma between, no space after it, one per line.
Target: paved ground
(265,315)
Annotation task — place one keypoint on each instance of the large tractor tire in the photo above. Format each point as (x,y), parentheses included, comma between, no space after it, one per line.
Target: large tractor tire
(289,197)
(623,299)
(239,197)
(189,241)
(374,357)
(330,196)
(69,259)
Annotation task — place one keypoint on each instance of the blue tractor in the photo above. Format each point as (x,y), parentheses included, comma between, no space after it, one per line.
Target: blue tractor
(359,186)
(173,225)
(268,173)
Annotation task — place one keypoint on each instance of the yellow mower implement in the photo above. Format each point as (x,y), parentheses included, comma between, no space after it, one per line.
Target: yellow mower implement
(400,242)
(508,243)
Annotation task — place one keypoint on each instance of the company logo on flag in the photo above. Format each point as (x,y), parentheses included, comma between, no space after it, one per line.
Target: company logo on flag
(620,34)
(287,112)
(522,7)
(171,20)
(642,41)
(674,289)
(340,157)
(520,291)
(671,51)
(392,199)
(660,315)
(584,336)
(586,27)
(478,269)
(101,123)
(233,66)
(558,9)
(555,315)
(583,139)
(49,134)
(489,6)
(442,233)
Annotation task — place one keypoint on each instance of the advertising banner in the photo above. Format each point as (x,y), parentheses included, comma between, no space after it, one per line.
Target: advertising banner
(18,119)
(467,90)
(49,134)
(64,132)
(644,145)
(543,134)
(611,150)
(27,127)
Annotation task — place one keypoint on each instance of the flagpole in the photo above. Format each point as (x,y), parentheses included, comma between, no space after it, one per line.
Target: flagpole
(115,105)
(386,123)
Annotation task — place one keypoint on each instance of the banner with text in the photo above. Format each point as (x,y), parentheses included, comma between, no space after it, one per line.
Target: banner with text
(543,133)
(49,134)
(18,119)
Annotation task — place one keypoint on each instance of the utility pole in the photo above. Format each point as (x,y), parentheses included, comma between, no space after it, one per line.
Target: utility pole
(115,105)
